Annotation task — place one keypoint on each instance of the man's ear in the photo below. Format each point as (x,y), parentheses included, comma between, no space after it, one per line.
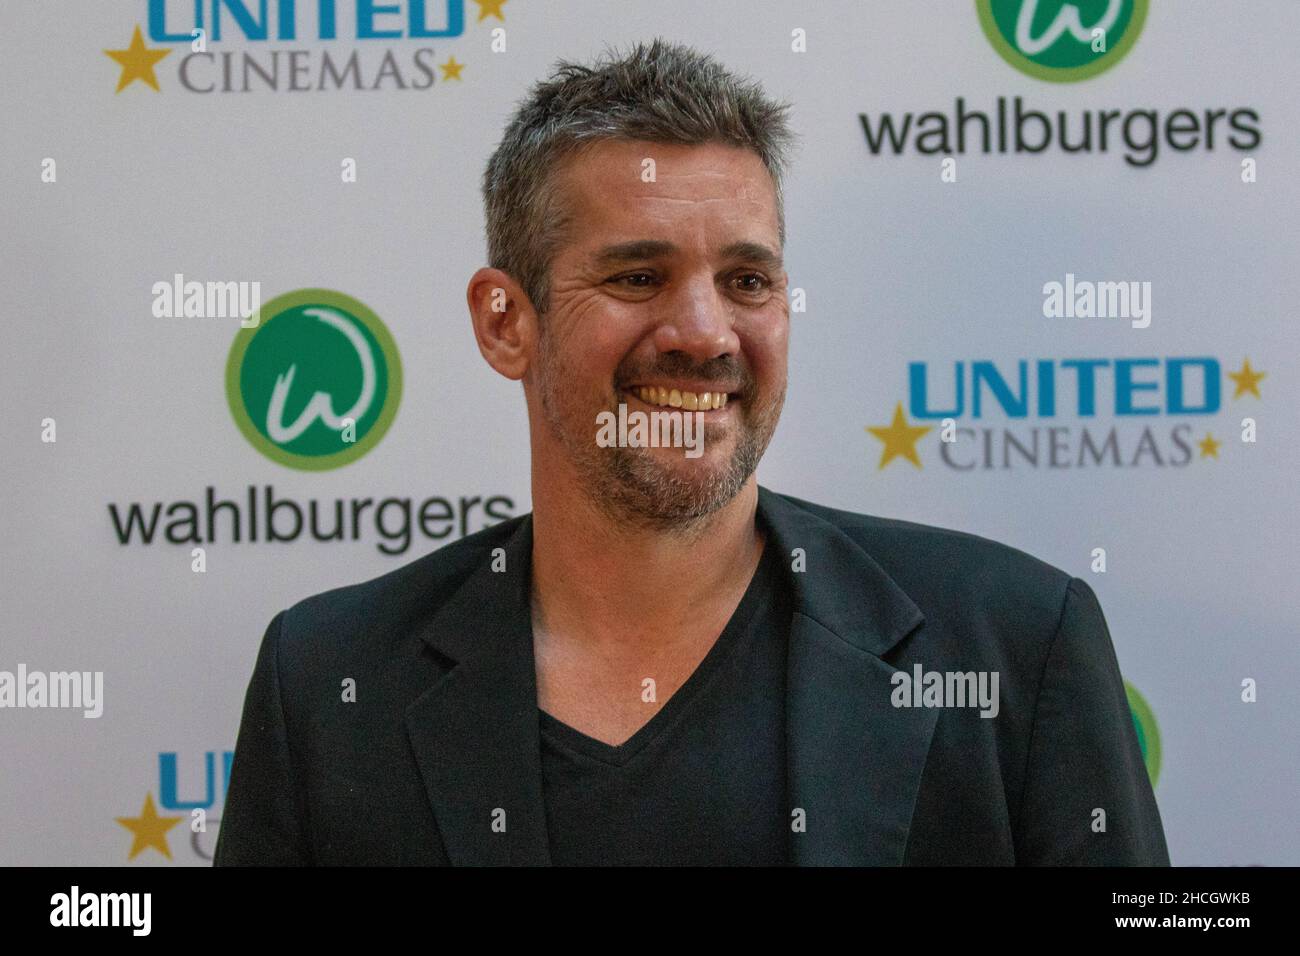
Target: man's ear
(505,322)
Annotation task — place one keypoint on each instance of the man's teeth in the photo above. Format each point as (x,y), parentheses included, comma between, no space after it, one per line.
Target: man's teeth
(691,401)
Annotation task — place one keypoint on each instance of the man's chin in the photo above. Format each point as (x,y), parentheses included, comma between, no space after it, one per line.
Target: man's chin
(664,488)
(686,468)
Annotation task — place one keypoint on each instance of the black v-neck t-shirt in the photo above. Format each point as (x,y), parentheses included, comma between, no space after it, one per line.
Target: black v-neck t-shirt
(704,782)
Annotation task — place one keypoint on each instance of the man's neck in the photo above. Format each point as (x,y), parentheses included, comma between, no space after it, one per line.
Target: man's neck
(610,586)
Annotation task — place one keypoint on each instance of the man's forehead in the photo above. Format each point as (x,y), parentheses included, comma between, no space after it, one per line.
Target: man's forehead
(614,180)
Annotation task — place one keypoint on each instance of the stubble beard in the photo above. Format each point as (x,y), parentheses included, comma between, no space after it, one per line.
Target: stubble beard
(629,485)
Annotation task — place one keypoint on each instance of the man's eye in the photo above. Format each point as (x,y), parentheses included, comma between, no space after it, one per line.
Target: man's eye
(752,282)
(635,280)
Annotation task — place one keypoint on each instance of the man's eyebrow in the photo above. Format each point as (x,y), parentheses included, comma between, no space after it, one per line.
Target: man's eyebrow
(641,249)
(754,252)
(638,249)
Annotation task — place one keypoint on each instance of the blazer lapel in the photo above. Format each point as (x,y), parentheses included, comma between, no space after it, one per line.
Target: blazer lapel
(475,732)
(854,762)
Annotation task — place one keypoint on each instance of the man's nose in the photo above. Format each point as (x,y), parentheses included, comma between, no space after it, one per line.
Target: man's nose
(697,319)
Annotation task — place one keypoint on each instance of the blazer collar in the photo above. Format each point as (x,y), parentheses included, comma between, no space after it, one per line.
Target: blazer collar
(841,587)
(854,762)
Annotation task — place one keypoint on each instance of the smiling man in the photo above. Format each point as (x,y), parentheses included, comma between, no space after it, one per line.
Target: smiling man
(665,663)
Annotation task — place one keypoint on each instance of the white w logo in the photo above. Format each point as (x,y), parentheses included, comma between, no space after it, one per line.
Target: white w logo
(1067,18)
(322,403)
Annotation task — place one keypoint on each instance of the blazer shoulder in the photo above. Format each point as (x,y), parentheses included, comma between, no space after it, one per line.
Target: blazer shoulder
(968,568)
(393,602)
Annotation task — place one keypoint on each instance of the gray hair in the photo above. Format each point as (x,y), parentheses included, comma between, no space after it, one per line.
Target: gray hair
(663,93)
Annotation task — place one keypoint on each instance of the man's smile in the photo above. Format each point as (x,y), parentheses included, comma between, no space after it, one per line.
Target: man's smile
(690,400)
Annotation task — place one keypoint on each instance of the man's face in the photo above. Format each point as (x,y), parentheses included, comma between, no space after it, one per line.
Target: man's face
(676,283)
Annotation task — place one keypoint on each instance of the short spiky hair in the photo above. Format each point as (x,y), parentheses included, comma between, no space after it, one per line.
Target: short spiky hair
(661,92)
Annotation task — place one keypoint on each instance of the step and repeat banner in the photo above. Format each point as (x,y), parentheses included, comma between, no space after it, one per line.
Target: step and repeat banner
(1044,288)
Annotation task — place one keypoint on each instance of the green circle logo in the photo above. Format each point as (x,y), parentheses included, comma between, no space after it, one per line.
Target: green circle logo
(315,384)
(1062,40)
(1148,734)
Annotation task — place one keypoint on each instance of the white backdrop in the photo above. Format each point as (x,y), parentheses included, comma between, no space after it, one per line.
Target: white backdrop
(898,267)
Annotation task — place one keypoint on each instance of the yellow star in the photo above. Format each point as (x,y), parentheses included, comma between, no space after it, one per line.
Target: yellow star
(150,829)
(900,438)
(487,8)
(137,62)
(1209,447)
(1247,380)
(451,69)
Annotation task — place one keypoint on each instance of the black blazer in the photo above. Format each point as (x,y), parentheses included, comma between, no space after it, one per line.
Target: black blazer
(444,730)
